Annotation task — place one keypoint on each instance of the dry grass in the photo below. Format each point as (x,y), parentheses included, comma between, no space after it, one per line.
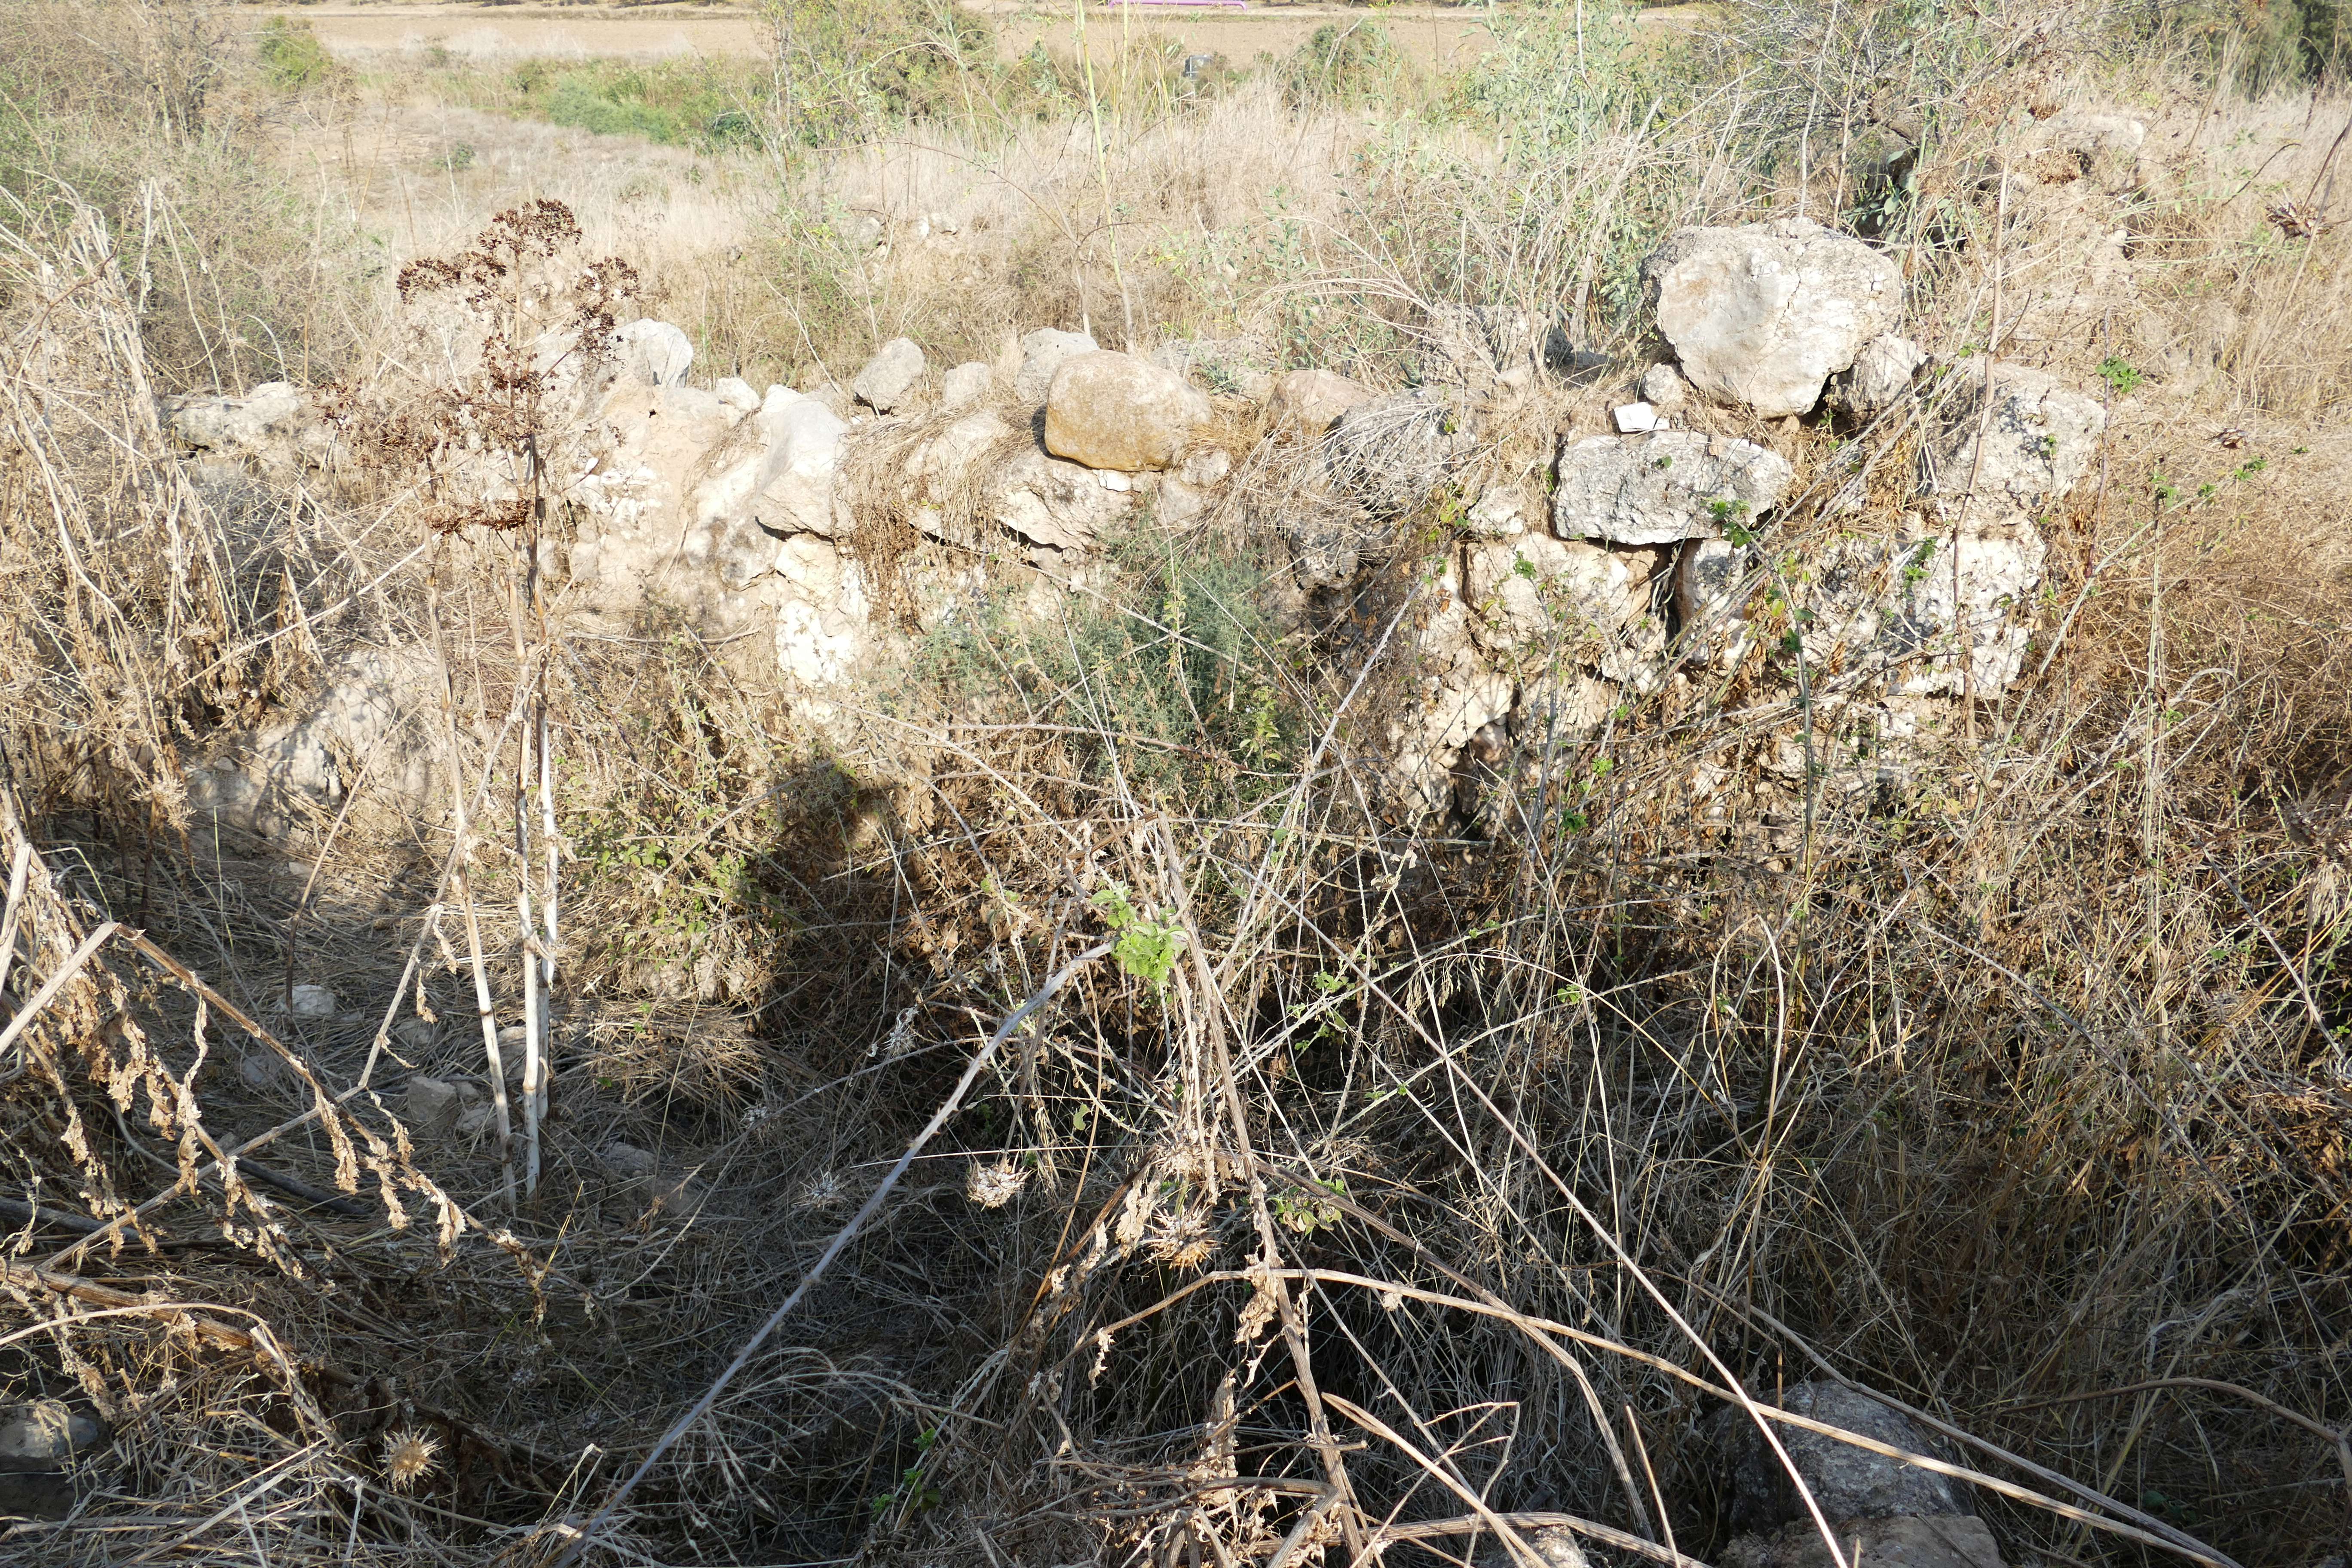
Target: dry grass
(1429,1155)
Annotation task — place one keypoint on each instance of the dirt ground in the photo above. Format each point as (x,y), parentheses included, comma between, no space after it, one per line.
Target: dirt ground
(1439,36)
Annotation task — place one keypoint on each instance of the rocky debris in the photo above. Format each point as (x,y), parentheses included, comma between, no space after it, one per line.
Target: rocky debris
(1051,503)
(1305,403)
(652,352)
(1882,609)
(1114,411)
(1846,1482)
(1390,452)
(820,625)
(38,1441)
(2041,439)
(311,1002)
(1762,315)
(459,1110)
(362,721)
(1879,377)
(1666,485)
(1664,389)
(1452,694)
(44,1434)
(966,385)
(890,376)
(272,414)
(1042,353)
(1536,589)
(1946,1541)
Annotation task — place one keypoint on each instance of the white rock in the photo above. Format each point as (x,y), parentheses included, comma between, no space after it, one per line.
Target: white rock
(432,1107)
(890,376)
(1881,375)
(1116,411)
(794,490)
(736,393)
(1664,388)
(1042,353)
(654,352)
(1882,609)
(1534,587)
(1633,418)
(2041,439)
(1305,403)
(1763,315)
(1666,485)
(268,415)
(311,1002)
(1048,502)
(966,385)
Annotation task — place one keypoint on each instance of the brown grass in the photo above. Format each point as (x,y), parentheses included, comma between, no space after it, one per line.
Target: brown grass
(2009,1081)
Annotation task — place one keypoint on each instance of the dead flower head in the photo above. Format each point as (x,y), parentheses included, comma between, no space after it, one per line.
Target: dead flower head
(408,1457)
(993,1185)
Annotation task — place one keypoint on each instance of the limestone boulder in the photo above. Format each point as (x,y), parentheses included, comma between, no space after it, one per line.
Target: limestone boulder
(653,353)
(1042,353)
(1881,611)
(1663,487)
(271,415)
(370,716)
(1053,504)
(1909,1542)
(1114,411)
(1846,1482)
(1533,589)
(821,620)
(2042,437)
(1305,403)
(1452,694)
(889,377)
(1762,315)
(1879,377)
(966,385)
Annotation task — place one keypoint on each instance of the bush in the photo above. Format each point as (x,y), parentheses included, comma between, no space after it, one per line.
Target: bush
(293,58)
(1345,63)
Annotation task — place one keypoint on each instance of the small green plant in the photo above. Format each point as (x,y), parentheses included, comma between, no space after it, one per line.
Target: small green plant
(2120,376)
(1306,1211)
(1731,516)
(1147,945)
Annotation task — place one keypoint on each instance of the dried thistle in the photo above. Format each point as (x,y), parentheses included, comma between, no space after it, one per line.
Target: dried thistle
(408,1457)
(993,1185)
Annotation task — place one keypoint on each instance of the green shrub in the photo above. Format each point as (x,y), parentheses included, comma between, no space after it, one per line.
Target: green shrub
(1345,63)
(293,58)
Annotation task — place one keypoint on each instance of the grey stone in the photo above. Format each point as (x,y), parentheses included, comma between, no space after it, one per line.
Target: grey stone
(1051,503)
(654,353)
(1664,389)
(1042,353)
(44,1434)
(1114,411)
(1305,403)
(270,413)
(1389,454)
(2041,439)
(433,1106)
(966,385)
(1764,314)
(1662,487)
(1847,1483)
(736,393)
(1532,586)
(1906,1542)
(1881,609)
(890,376)
(1880,375)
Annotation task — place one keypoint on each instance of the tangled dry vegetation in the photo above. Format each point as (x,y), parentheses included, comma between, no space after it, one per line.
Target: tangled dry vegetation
(1249,1169)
